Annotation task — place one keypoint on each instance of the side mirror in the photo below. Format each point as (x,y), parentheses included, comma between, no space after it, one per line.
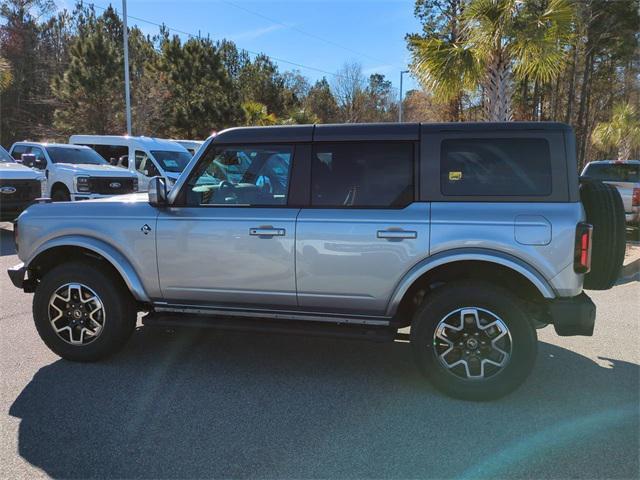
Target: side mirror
(158,192)
(28,160)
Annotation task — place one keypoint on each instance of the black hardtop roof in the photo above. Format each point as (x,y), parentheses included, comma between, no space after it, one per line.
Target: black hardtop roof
(369,131)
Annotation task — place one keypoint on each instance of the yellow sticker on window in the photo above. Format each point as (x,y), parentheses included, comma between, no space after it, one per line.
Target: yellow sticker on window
(454,176)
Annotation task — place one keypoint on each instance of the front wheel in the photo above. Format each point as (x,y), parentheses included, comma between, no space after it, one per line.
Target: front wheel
(473,340)
(82,312)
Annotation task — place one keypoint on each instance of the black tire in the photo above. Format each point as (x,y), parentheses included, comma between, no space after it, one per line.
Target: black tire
(605,211)
(60,194)
(467,294)
(119,319)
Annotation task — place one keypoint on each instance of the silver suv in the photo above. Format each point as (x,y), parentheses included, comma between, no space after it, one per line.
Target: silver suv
(473,235)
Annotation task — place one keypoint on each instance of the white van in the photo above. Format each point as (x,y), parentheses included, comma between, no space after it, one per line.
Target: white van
(153,156)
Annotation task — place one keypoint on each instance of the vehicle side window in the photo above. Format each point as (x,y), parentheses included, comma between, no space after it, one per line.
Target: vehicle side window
(17,151)
(145,165)
(242,175)
(111,153)
(494,167)
(362,175)
(38,152)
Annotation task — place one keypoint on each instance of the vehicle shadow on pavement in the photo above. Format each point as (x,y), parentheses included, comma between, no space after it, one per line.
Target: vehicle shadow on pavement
(7,247)
(198,404)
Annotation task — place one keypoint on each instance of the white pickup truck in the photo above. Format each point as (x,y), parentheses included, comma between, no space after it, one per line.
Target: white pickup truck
(76,173)
(625,176)
(19,187)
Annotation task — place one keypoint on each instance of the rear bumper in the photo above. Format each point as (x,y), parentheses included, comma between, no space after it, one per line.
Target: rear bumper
(633,218)
(573,316)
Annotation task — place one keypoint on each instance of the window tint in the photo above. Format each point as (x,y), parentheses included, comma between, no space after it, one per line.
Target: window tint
(495,167)
(17,151)
(242,175)
(613,172)
(74,155)
(4,156)
(145,165)
(363,175)
(169,161)
(111,153)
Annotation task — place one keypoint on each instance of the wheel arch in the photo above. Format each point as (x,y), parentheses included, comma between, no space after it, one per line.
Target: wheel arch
(59,184)
(61,249)
(465,263)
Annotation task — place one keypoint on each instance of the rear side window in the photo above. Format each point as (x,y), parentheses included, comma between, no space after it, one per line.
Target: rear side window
(362,175)
(613,172)
(495,167)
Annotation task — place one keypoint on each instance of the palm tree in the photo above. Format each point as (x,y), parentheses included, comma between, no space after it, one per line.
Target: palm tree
(622,132)
(255,113)
(501,40)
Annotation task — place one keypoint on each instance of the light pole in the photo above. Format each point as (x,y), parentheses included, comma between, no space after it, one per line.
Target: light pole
(400,107)
(127,93)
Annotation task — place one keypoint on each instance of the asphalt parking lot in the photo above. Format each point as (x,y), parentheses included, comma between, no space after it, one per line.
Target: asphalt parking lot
(194,404)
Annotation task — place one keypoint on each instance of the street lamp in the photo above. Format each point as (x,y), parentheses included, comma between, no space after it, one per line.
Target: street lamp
(125,39)
(400,109)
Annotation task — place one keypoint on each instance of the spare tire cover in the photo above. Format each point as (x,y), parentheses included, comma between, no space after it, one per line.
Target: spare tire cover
(605,211)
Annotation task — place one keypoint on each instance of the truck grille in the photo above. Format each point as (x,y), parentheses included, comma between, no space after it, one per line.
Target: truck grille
(24,190)
(111,185)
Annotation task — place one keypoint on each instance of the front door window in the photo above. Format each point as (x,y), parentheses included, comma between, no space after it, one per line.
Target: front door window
(242,175)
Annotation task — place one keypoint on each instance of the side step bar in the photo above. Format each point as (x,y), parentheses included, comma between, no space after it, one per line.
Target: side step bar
(261,325)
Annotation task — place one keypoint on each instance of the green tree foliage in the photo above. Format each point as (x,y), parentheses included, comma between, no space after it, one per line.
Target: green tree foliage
(201,95)
(321,102)
(257,114)
(90,90)
(574,69)
(621,133)
(499,40)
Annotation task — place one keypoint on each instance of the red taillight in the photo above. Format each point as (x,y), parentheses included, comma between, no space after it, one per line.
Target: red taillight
(582,256)
(635,198)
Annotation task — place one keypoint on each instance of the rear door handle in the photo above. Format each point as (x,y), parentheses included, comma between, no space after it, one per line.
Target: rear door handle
(267,232)
(397,234)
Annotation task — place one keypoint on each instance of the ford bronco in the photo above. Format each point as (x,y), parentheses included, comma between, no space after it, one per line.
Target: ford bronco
(472,235)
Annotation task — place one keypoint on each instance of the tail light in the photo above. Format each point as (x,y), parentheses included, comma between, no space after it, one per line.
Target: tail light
(635,198)
(582,254)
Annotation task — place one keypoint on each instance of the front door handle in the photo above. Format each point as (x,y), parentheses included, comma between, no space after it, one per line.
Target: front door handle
(398,234)
(267,232)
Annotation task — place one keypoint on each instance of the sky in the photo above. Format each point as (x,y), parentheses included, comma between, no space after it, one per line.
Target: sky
(321,34)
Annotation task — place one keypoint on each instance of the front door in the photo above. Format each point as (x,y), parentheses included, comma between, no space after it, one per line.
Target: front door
(232,241)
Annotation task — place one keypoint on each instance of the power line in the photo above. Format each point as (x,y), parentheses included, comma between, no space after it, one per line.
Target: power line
(299,30)
(193,35)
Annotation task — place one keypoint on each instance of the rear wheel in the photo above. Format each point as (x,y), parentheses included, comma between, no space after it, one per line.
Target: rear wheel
(83,313)
(473,341)
(605,211)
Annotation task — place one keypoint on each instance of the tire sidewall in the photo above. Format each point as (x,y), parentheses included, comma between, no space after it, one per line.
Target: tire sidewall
(119,315)
(507,307)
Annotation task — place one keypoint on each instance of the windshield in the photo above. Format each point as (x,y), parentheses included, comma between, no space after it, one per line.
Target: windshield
(75,156)
(4,156)
(614,172)
(171,161)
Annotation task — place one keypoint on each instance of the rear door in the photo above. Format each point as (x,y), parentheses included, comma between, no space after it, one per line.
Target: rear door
(363,230)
